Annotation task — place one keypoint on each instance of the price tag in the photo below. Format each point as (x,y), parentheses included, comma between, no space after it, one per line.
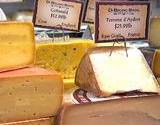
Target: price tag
(89,11)
(127,19)
(58,14)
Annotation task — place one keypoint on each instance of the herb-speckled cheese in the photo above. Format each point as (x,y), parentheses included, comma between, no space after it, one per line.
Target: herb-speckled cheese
(63,57)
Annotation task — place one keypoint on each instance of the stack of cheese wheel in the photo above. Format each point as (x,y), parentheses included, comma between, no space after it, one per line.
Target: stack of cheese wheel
(28,94)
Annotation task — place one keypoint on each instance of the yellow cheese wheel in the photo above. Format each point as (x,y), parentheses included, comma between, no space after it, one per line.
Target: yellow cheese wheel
(17,45)
(41,121)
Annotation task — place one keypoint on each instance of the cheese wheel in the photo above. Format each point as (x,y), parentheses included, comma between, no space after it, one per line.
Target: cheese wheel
(29,93)
(129,111)
(41,121)
(17,45)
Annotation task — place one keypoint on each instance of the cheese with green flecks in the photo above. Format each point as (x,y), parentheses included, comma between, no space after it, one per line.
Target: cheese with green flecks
(63,57)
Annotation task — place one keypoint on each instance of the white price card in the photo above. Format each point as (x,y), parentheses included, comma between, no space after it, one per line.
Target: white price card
(127,19)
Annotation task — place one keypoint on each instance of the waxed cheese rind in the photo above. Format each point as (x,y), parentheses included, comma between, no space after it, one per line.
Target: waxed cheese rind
(30,97)
(41,121)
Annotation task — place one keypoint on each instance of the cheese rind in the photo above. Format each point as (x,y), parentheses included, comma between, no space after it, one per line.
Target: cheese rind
(106,75)
(64,57)
(42,121)
(29,93)
(17,45)
(129,111)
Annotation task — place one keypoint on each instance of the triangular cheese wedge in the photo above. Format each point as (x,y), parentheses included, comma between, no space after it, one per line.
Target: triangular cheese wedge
(106,74)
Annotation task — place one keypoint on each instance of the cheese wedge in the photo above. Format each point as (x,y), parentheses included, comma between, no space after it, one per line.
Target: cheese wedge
(105,75)
(29,93)
(154,37)
(17,45)
(156,63)
(42,121)
(64,57)
(131,111)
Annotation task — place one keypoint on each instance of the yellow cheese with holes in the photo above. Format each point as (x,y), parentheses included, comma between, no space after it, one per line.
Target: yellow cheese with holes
(29,93)
(64,57)
(17,45)
(41,121)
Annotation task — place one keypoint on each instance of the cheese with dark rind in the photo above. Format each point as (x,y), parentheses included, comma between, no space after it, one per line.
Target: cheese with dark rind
(29,93)
(41,121)
(105,75)
(17,45)
(127,111)
(156,63)
(64,57)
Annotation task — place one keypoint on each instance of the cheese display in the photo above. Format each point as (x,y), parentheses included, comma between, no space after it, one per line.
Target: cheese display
(29,93)
(42,121)
(156,63)
(105,74)
(131,111)
(17,45)
(64,57)
(154,37)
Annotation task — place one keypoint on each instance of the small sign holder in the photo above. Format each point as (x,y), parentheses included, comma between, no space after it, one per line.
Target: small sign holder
(122,38)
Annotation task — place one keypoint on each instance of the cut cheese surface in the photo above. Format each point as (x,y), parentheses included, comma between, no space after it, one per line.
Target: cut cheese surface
(17,45)
(156,63)
(41,121)
(29,93)
(154,32)
(64,57)
(130,111)
(106,75)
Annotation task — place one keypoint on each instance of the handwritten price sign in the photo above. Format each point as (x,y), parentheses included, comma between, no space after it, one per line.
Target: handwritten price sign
(58,14)
(89,11)
(128,19)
